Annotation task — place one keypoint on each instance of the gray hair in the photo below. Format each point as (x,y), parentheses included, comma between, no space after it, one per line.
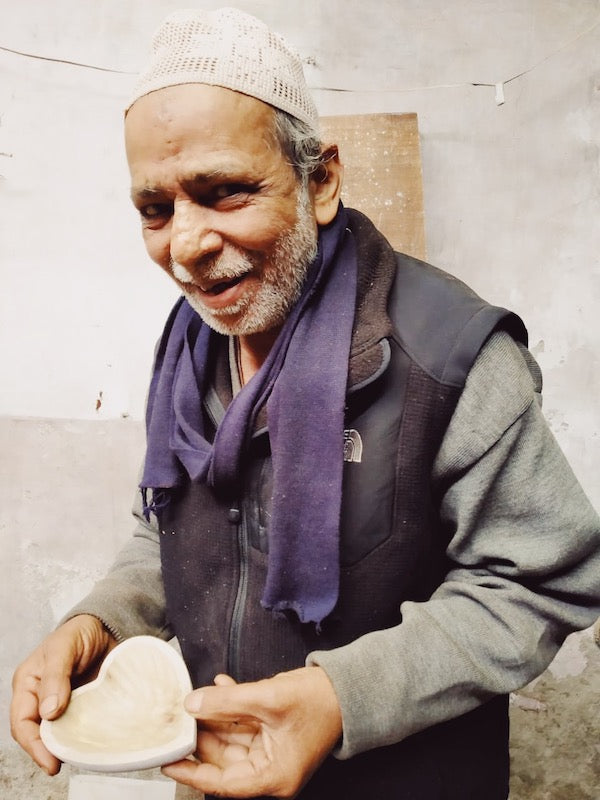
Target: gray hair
(300,144)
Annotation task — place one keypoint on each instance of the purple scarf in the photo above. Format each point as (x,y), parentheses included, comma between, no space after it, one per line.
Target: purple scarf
(303,383)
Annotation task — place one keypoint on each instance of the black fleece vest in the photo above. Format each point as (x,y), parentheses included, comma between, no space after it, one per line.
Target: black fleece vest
(214,549)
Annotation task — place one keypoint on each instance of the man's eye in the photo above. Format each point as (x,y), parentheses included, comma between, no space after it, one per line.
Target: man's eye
(230,190)
(156,211)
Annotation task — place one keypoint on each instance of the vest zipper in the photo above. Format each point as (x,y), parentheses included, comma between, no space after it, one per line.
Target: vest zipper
(240,599)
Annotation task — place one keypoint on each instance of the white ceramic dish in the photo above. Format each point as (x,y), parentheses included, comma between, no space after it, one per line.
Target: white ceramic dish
(131,716)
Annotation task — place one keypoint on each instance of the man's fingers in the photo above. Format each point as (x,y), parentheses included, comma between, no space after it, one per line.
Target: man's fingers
(71,655)
(224,747)
(26,732)
(224,680)
(42,683)
(242,703)
(54,688)
(236,780)
(293,720)
(212,749)
(206,777)
(49,763)
(25,712)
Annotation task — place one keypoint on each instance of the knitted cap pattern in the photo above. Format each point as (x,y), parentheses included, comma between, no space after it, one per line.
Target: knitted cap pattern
(231,49)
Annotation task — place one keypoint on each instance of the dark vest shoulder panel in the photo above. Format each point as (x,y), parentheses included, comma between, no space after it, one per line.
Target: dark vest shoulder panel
(442,322)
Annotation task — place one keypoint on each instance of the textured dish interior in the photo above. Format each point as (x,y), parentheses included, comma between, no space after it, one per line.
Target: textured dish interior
(134,706)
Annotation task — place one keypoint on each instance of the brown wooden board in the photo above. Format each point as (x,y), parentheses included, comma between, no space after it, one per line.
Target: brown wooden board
(383,176)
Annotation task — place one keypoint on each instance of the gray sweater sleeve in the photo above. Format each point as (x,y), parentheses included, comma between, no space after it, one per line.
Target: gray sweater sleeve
(130,600)
(525,568)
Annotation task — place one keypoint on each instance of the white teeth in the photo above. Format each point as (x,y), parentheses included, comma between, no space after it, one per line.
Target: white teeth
(213,275)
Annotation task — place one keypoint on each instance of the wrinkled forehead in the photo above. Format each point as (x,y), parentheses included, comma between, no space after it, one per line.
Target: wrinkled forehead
(198,129)
(199,108)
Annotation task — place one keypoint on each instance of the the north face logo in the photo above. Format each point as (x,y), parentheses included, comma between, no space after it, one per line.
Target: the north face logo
(353,446)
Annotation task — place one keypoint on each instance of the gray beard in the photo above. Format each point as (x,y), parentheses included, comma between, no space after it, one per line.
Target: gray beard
(284,273)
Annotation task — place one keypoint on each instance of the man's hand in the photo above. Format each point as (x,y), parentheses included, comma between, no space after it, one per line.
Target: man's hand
(42,683)
(263,738)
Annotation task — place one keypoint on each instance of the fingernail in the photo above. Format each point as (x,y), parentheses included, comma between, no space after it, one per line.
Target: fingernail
(193,702)
(49,705)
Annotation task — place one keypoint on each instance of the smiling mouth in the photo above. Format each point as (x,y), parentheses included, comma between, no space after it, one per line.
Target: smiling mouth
(222,286)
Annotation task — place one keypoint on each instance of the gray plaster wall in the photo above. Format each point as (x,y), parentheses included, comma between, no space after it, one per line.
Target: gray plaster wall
(511,206)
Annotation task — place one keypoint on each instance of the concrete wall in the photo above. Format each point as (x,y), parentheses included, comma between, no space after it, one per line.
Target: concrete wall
(511,206)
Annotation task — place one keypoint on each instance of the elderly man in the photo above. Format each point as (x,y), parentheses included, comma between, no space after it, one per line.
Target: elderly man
(355,519)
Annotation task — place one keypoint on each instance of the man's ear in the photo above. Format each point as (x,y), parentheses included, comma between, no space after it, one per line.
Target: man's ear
(326,185)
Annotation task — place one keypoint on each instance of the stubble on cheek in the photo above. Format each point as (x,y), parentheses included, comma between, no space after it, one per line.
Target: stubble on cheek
(273,286)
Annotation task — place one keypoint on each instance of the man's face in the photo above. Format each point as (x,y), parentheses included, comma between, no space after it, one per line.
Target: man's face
(222,211)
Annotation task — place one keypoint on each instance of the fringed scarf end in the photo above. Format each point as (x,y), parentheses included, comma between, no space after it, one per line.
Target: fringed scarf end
(160,500)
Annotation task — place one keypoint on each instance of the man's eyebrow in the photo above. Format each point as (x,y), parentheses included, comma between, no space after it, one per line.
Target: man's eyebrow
(144,193)
(198,179)
(217,175)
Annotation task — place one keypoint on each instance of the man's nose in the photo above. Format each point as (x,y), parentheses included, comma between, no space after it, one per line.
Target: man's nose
(193,234)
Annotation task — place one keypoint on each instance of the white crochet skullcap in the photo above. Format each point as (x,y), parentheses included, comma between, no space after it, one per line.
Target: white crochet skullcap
(227,48)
